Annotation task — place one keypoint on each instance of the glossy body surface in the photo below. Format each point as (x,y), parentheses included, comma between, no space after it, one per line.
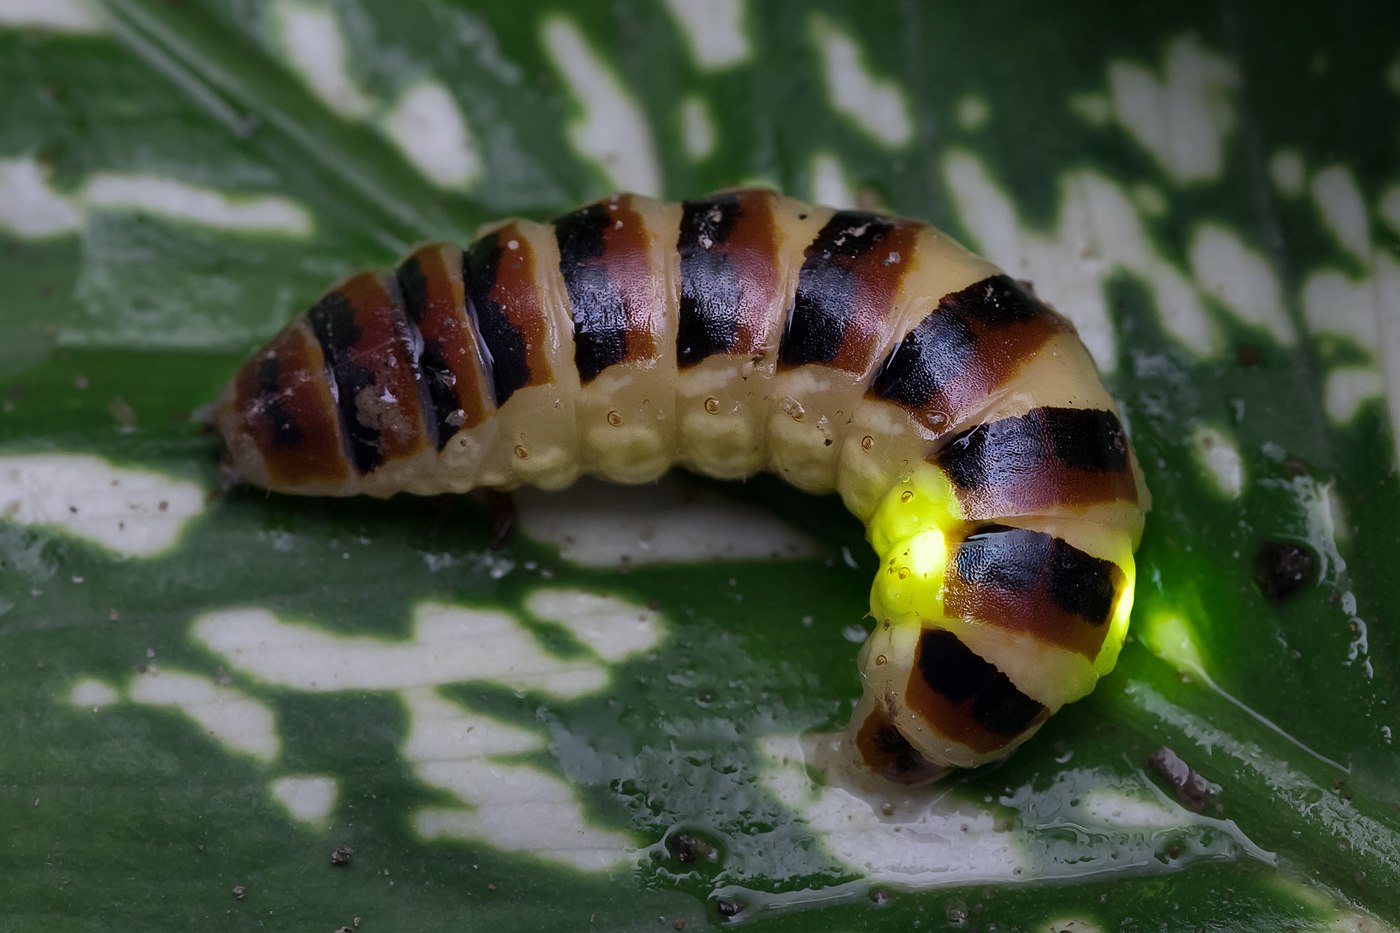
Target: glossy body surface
(959,417)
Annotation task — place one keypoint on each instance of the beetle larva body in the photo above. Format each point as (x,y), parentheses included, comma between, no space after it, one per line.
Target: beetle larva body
(957,416)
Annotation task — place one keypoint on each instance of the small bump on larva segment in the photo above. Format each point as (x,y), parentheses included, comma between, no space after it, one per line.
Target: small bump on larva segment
(521,452)
(793,408)
(614,419)
(867,442)
(457,418)
(712,405)
(906,496)
(903,573)
(881,660)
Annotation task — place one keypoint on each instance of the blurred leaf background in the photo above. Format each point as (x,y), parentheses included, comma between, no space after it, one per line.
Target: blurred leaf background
(1212,192)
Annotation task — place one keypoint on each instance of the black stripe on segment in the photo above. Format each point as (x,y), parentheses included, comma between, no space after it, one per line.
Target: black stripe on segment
(944,344)
(1020,560)
(332,320)
(827,287)
(929,356)
(430,371)
(1012,450)
(600,320)
(436,380)
(286,432)
(710,290)
(503,346)
(955,671)
(997,301)
(1082,584)
(1087,439)
(1004,557)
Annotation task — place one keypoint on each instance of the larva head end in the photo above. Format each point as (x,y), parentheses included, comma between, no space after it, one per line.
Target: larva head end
(885,750)
(949,705)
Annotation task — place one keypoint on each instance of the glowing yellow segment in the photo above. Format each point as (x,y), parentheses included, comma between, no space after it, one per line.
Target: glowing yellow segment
(922,499)
(1118,627)
(909,586)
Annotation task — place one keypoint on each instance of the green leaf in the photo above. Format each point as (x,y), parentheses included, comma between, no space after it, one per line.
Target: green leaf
(625,714)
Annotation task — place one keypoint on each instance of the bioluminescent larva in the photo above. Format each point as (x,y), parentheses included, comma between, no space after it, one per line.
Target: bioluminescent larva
(960,418)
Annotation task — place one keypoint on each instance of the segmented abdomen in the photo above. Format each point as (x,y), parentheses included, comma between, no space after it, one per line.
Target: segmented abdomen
(956,414)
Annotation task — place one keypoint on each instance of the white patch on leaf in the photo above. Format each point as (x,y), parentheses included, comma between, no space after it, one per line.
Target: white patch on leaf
(313,45)
(1241,279)
(1365,312)
(611,131)
(1343,211)
(29,207)
(830,186)
(1220,457)
(714,30)
(1184,117)
(179,200)
(511,806)
(973,112)
(876,105)
(307,798)
(71,16)
(1334,303)
(1347,388)
(603,525)
(612,629)
(697,128)
(134,513)
(1098,232)
(450,644)
(428,127)
(232,718)
(1286,170)
(90,693)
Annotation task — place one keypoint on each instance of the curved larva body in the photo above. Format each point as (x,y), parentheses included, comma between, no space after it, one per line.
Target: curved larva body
(961,419)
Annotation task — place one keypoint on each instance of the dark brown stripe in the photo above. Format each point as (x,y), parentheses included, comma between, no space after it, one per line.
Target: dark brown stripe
(453,362)
(505,307)
(1027,581)
(1044,458)
(967,347)
(888,753)
(965,697)
(728,249)
(285,405)
(364,336)
(605,259)
(846,291)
